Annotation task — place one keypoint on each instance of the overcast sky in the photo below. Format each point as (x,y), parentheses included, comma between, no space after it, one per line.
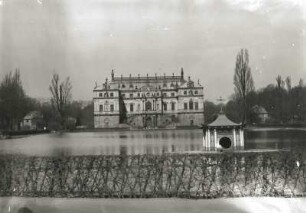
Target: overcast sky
(87,39)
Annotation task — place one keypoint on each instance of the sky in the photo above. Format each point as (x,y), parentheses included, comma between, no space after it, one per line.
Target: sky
(85,40)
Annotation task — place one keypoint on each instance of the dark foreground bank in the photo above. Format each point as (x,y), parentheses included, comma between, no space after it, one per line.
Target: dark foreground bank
(150,176)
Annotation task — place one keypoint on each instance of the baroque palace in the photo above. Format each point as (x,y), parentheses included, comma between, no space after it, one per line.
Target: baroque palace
(148,102)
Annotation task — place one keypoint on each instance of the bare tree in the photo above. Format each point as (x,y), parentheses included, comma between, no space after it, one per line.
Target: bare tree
(243,80)
(280,83)
(301,82)
(288,83)
(61,96)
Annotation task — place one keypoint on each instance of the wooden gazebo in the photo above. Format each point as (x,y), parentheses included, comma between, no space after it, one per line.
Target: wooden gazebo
(223,134)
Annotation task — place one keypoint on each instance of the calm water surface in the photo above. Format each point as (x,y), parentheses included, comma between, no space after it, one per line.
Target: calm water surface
(141,142)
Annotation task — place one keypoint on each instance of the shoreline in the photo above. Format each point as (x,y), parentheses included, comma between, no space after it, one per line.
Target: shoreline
(276,128)
(23,133)
(173,205)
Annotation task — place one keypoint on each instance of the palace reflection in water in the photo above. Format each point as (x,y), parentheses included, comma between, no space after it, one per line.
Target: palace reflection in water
(141,142)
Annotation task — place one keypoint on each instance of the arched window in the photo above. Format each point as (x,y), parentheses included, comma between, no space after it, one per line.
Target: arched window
(190,104)
(148,106)
(165,106)
(101,108)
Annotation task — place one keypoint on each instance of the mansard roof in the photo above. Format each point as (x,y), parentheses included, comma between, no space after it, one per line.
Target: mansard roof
(148,78)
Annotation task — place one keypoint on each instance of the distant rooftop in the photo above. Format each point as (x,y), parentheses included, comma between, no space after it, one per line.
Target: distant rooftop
(33,115)
(259,110)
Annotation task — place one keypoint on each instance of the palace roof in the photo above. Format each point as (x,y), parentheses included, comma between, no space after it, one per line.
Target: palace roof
(148,78)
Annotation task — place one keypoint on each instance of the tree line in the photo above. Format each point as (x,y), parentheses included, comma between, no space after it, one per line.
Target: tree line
(285,104)
(59,112)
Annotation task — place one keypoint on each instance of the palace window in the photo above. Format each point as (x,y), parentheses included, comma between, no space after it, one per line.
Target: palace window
(148,106)
(111,94)
(138,94)
(164,84)
(138,107)
(131,107)
(131,85)
(190,104)
(123,95)
(172,106)
(131,95)
(106,94)
(190,92)
(165,106)
(196,92)
(185,92)
(123,86)
(100,94)
(172,94)
(112,107)
(165,94)
(101,108)
(185,105)
(196,105)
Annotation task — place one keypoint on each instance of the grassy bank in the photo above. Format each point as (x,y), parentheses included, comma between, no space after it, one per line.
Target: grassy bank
(23,132)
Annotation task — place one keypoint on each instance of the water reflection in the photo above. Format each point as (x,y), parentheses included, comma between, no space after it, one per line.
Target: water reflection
(140,142)
(276,139)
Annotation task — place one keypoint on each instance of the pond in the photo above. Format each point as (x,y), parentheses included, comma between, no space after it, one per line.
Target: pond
(141,142)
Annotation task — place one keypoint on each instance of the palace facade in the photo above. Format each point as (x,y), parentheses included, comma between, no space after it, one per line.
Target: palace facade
(148,102)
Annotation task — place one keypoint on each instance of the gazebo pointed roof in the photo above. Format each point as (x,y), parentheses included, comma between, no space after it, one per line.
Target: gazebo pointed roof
(223,121)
